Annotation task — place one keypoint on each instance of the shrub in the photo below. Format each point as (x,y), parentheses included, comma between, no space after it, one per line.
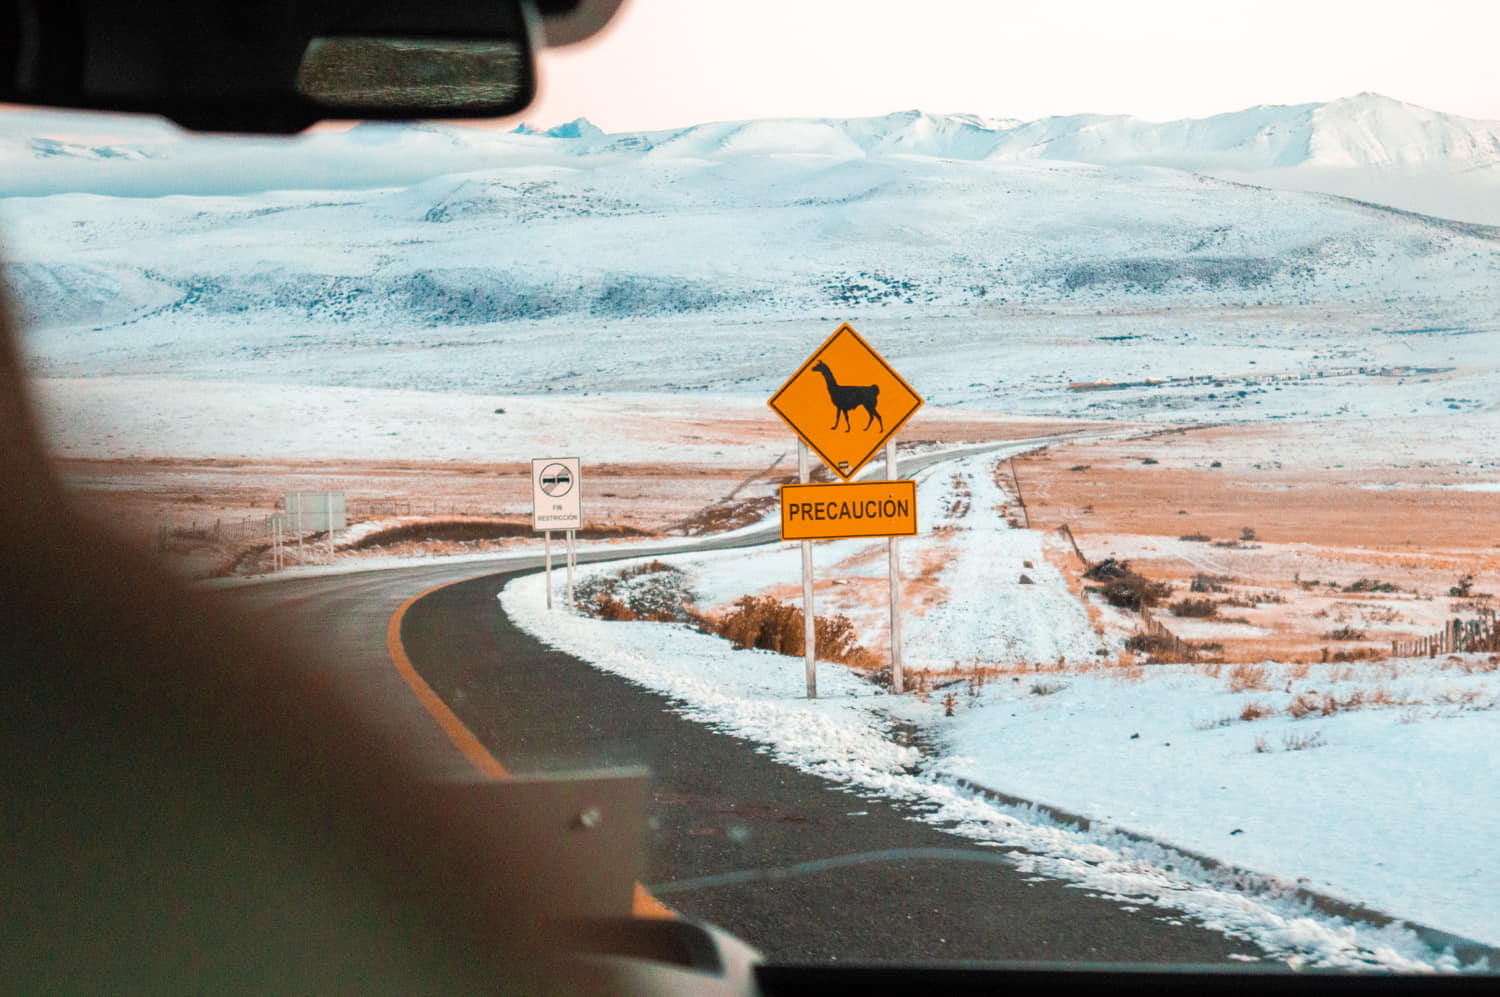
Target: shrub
(654,591)
(650,567)
(763,622)
(607,607)
(1301,742)
(1244,677)
(1161,649)
(1107,569)
(1201,538)
(1304,704)
(1135,591)
(1209,583)
(1371,585)
(1146,644)
(591,588)
(1358,654)
(1125,588)
(1255,710)
(1194,608)
(1345,633)
(1047,688)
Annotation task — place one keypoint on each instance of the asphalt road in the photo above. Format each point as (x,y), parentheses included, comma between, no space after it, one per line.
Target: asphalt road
(800,868)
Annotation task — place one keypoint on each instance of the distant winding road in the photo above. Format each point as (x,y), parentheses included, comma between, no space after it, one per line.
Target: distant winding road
(803,869)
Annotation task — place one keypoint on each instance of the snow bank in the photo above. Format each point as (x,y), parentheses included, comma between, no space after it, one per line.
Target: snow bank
(844,736)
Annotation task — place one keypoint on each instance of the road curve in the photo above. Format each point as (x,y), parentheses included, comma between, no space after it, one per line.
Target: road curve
(801,868)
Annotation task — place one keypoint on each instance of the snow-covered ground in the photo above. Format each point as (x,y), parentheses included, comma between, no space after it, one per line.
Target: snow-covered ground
(967,551)
(846,736)
(990,282)
(1384,800)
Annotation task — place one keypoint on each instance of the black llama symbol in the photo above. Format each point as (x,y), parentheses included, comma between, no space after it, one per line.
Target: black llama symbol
(848,397)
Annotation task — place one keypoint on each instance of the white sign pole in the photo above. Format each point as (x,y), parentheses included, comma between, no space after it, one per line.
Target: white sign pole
(809,622)
(570,569)
(555,486)
(894,569)
(548,547)
(328,512)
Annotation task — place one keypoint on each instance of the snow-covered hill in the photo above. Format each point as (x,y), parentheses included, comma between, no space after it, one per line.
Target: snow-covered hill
(710,257)
(1367,146)
(1365,131)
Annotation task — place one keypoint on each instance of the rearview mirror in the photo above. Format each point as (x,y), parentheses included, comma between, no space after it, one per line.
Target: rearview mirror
(270,65)
(365,76)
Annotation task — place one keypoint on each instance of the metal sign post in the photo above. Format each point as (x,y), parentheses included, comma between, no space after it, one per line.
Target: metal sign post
(895,573)
(556,483)
(275,523)
(571,561)
(846,380)
(547,546)
(809,622)
(313,511)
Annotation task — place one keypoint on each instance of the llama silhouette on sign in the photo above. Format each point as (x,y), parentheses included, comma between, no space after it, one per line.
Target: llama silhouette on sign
(848,397)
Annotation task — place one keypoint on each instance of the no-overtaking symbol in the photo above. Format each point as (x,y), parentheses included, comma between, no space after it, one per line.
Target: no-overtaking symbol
(556,479)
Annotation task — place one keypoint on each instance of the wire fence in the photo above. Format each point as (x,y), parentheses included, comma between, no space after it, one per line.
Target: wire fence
(1457,637)
(1174,644)
(263,526)
(220,528)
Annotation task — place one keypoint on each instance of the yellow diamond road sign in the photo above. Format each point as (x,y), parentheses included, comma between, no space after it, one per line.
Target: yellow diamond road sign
(845,401)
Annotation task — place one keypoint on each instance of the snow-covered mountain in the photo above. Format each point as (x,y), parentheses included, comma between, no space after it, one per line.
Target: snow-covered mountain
(462,279)
(449,258)
(1367,146)
(1362,132)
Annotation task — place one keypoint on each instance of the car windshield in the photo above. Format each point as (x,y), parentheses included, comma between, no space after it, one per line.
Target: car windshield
(1128,465)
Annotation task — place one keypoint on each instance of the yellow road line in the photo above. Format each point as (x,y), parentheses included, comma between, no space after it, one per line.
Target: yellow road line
(644,904)
(463,739)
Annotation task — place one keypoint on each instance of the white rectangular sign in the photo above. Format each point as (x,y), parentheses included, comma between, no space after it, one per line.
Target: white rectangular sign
(315,511)
(555,484)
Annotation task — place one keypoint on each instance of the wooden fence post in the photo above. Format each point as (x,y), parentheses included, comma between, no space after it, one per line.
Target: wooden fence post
(1019,497)
(1069,533)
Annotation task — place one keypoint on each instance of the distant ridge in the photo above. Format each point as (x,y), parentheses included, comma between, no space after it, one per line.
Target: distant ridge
(1366,130)
(1368,146)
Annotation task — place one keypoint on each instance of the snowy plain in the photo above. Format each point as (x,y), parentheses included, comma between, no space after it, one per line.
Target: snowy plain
(1345,805)
(379,293)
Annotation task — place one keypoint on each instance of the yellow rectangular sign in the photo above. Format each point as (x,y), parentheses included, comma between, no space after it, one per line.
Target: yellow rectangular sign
(843,512)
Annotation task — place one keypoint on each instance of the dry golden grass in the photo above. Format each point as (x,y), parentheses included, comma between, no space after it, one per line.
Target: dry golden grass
(1245,677)
(1256,710)
(772,625)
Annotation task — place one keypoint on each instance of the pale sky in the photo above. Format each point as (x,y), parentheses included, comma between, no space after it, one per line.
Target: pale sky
(666,63)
